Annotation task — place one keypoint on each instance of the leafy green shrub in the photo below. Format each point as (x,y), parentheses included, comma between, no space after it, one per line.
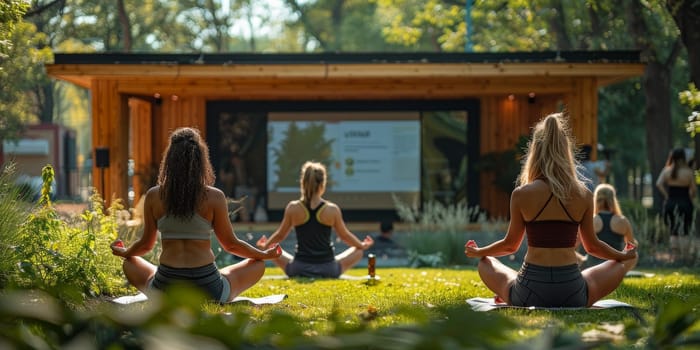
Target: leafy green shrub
(438,232)
(13,212)
(71,261)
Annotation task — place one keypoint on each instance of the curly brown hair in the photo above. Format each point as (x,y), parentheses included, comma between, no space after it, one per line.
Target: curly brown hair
(185,172)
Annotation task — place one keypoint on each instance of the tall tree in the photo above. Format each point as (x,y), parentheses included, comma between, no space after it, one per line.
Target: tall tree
(686,14)
(338,25)
(660,58)
(21,63)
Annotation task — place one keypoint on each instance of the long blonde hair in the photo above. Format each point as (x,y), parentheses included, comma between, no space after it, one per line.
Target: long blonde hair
(313,177)
(550,155)
(605,198)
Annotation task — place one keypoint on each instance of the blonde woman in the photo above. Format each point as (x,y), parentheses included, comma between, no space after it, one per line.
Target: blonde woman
(312,218)
(553,206)
(609,224)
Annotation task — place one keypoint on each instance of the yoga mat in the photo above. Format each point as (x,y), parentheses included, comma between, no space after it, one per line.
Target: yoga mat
(342,277)
(634,273)
(270,299)
(488,304)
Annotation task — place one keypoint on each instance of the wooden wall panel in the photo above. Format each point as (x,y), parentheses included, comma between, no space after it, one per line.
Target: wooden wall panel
(141,145)
(582,104)
(503,122)
(175,113)
(110,129)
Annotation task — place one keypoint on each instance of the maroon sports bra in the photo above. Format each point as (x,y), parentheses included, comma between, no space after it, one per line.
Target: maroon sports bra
(552,233)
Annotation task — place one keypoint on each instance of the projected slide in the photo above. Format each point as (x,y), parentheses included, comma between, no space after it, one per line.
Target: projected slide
(371,154)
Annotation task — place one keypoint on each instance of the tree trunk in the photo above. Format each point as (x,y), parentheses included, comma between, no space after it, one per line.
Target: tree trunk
(558,26)
(337,24)
(125,25)
(656,85)
(686,13)
(45,102)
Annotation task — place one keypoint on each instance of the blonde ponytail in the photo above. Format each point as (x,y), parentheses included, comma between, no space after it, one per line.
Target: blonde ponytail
(313,177)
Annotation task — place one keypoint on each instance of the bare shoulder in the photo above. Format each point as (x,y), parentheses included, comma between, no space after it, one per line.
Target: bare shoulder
(293,205)
(330,206)
(531,190)
(619,220)
(153,191)
(215,193)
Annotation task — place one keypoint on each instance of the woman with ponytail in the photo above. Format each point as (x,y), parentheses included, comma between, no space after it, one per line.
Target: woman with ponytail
(609,224)
(185,208)
(551,207)
(312,218)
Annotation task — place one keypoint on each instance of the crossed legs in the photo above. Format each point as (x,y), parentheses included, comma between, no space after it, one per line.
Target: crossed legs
(241,276)
(601,279)
(347,259)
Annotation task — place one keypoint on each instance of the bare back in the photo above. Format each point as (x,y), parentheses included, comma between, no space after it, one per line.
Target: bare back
(181,253)
(534,201)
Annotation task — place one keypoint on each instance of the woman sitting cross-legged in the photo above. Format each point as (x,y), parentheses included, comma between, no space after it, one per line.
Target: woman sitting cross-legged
(551,206)
(185,208)
(609,224)
(312,218)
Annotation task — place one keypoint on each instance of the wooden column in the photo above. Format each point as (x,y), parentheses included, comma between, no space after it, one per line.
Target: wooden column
(141,146)
(582,104)
(110,129)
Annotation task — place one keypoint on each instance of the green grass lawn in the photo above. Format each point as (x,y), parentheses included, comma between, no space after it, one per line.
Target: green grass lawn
(409,296)
(407,309)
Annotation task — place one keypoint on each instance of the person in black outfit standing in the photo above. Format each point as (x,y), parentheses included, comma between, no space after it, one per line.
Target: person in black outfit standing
(313,218)
(677,186)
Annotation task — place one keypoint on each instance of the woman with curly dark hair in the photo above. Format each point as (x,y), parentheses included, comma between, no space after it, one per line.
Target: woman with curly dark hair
(185,208)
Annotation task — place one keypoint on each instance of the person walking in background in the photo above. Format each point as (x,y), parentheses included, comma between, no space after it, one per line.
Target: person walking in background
(609,224)
(552,205)
(185,208)
(676,182)
(594,172)
(312,218)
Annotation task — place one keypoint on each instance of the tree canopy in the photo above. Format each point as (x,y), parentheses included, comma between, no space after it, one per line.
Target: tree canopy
(664,32)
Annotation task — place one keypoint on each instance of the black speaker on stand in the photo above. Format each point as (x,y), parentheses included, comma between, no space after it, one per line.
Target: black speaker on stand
(102,162)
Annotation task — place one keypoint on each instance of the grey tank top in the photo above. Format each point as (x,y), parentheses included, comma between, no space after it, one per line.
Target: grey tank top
(176,228)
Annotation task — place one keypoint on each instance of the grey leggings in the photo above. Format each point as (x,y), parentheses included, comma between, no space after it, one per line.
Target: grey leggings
(206,277)
(549,286)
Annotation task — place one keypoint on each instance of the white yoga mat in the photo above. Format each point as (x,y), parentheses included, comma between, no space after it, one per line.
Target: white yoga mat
(270,299)
(342,277)
(488,304)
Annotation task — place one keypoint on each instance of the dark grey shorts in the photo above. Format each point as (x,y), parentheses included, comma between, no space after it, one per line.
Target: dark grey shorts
(297,268)
(206,277)
(549,286)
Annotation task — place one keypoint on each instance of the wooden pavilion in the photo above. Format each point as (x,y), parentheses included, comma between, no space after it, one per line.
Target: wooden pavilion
(137,99)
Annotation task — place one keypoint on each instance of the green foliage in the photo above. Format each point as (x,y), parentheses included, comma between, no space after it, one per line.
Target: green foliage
(22,58)
(674,319)
(301,144)
(505,166)
(69,260)
(438,232)
(13,212)
(407,309)
(691,98)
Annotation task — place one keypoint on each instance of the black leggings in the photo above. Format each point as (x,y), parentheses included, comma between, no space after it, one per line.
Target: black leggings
(549,286)
(206,277)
